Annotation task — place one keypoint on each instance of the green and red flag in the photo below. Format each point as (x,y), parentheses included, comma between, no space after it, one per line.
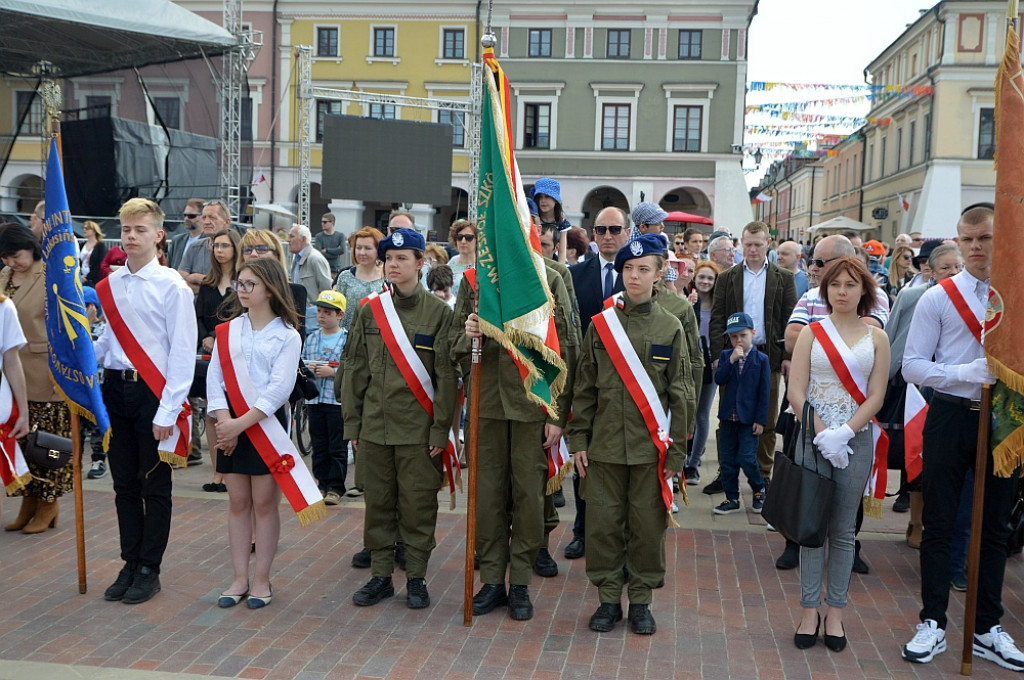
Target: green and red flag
(515,304)
(1003,326)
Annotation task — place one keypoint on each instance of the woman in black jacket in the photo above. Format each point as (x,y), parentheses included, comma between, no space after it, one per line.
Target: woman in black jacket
(92,254)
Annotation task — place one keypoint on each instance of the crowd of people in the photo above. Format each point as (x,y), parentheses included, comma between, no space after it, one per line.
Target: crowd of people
(651,327)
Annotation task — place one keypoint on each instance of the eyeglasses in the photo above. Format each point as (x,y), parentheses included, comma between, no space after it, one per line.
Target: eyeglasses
(249,250)
(220,246)
(244,286)
(215,201)
(191,216)
(680,243)
(821,263)
(906,256)
(465,237)
(615,229)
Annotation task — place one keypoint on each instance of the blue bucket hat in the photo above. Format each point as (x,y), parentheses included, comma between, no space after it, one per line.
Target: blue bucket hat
(648,244)
(401,239)
(548,187)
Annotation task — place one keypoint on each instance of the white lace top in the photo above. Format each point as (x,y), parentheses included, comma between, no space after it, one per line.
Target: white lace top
(828,397)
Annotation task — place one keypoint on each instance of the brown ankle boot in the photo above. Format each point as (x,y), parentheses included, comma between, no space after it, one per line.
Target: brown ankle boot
(915,528)
(45,518)
(25,513)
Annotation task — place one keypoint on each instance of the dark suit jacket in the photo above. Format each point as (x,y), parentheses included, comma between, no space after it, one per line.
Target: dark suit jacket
(586,278)
(749,393)
(176,248)
(779,301)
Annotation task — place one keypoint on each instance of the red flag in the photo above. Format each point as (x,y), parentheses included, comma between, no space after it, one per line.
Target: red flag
(914,412)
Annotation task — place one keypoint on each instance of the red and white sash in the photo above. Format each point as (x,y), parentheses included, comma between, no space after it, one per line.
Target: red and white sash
(149,359)
(640,387)
(962,307)
(14,473)
(268,437)
(856,383)
(415,373)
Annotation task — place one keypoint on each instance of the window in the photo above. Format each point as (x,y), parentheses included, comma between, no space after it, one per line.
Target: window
(168,110)
(885,141)
(97,105)
(537,126)
(540,42)
(457,119)
(689,44)
(382,111)
(615,127)
(454,44)
(324,107)
(384,42)
(327,41)
(899,149)
(927,136)
(33,124)
(913,140)
(871,162)
(987,134)
(687,128)
(618,43)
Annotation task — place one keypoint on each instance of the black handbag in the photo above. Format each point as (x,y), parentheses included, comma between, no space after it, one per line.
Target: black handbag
(47,450)
(305,384)
(890,417)
(799,503)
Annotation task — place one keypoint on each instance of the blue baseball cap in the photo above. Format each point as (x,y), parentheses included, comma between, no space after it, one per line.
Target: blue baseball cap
(401,239)
(548,187)
(738,322)
(647,244)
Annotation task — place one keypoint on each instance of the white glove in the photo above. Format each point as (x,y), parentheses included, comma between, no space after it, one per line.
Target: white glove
(839,460)
(975,372)
(834,440)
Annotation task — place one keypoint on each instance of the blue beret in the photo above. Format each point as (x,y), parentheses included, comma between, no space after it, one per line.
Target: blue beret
(648,244)
(401,239)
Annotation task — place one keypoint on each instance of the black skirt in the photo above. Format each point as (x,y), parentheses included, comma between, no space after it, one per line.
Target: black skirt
(246,460)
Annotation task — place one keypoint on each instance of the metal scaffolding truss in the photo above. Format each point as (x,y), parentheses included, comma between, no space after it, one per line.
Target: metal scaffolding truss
(233,93)
(309,95)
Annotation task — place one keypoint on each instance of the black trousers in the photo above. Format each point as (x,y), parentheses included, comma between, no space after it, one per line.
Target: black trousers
(330,448)
(950,446)
(142,484)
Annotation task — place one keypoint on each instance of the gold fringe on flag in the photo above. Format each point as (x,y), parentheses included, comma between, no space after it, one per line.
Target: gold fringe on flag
(555,483)
(873,507)
(19,483)
(670,521)
(312,513)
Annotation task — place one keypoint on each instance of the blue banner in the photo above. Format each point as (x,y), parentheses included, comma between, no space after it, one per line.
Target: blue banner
(73,365)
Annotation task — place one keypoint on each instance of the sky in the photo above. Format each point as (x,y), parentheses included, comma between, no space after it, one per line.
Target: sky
(819,41)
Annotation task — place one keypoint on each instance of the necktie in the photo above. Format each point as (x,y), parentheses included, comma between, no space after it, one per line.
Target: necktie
(609,281)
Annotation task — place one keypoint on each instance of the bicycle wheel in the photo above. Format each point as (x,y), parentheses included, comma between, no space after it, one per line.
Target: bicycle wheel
(300,428)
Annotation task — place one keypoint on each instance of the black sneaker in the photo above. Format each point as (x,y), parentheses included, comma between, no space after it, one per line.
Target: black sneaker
(98,469)
(558,498)
(121,584)
(519,606)
(714,487)
(488,597)
(545,565)
(144,586)
(575,550)
(375,590)
(361,560)
(902,503)
(416,596)
(641,621)
(606,616)
(193,461)
(692,476)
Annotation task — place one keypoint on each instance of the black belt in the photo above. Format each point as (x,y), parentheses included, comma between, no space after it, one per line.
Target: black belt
(126,375)
(962,402)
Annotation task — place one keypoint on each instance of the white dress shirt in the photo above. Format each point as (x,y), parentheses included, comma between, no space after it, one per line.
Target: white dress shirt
(937,330)
(272,357)
(164,302)
(604,270)
(753,298)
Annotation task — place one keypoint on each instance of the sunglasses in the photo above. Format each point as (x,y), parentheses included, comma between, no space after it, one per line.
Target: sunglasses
(248,250)
(821,263)
(465,237)
(191,216)
(244,286)
(615,229)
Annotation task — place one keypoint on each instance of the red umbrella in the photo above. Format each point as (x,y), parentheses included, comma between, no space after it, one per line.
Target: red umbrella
(679,216)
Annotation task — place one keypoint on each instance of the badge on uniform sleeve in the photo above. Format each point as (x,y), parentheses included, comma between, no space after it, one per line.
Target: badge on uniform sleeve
(423,342)
(661,353)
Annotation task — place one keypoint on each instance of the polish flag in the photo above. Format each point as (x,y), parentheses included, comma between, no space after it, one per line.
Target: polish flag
(914,412)
(762,198)
(904,203)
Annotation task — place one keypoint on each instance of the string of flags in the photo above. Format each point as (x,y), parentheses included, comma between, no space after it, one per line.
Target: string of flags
(808,104)
(870,90)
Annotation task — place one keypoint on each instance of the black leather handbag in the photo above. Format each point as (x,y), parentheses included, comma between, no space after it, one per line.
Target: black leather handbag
(799,503)
(47,450)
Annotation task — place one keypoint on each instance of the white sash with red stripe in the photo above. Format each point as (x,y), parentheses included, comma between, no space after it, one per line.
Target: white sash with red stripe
(415,373)
(14,473)
(640,387)
(149,359)
(856,383)
(268,437)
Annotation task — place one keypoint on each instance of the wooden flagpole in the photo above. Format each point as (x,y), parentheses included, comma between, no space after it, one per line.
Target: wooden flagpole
(472,443)
(977,513)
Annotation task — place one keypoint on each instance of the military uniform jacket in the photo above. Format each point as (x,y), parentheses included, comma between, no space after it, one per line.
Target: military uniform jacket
(606,422)
(680,307)
(502,394)
(377,403)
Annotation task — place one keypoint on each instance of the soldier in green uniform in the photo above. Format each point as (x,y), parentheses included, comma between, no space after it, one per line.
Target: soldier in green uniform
(512,458)
(616,457)
(399,442)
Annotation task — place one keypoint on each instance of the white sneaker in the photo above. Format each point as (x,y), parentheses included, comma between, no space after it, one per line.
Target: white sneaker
(929,641)
(675,508)
(997,645)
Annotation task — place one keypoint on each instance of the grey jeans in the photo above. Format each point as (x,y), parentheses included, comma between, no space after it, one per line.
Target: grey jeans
(850,483)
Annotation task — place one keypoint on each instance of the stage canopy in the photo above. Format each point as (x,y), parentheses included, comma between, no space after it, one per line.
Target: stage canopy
(81,37)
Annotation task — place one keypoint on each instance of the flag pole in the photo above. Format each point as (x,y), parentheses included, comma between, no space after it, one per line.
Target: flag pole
(977,514)
(474,438)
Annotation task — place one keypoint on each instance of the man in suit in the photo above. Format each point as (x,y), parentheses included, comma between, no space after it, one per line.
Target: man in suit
(595,279)
(180,243)
(768,294)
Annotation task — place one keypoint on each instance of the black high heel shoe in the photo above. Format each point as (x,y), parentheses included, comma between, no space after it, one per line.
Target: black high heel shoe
(835,643)
(805,641)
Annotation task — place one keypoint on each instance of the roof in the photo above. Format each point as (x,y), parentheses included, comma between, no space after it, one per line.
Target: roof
(81,37)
